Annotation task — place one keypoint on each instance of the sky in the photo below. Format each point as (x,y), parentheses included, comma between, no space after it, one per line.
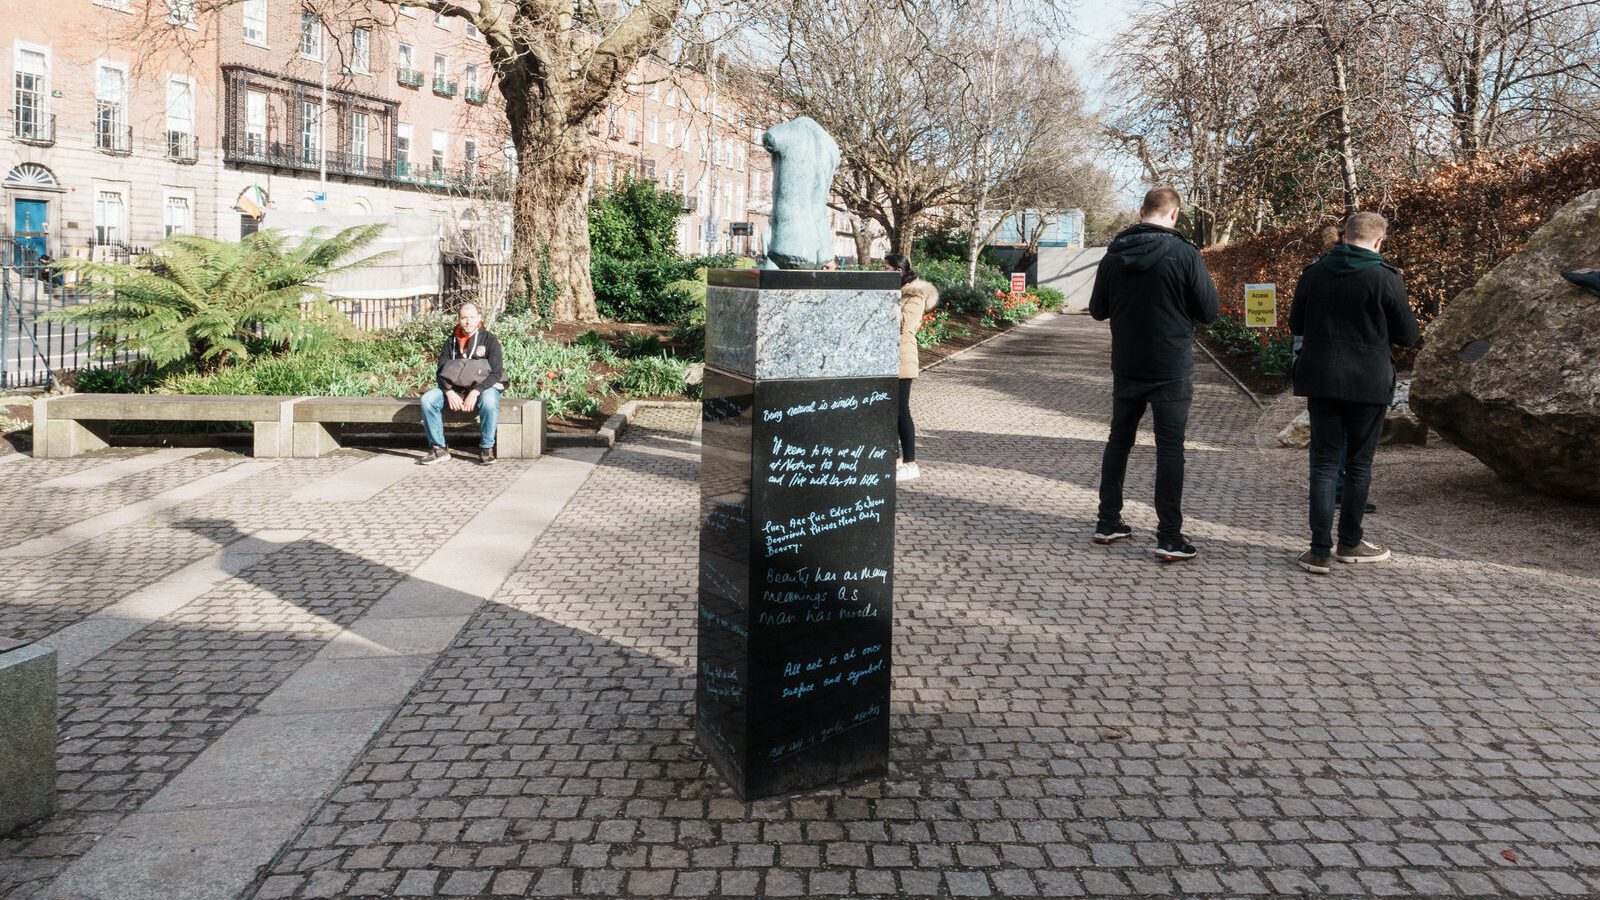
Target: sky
(1096,22)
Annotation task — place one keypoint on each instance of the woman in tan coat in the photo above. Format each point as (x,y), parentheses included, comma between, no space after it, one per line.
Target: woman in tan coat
(917,297)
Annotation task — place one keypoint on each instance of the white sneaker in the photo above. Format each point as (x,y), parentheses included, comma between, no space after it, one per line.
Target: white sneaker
(906,471)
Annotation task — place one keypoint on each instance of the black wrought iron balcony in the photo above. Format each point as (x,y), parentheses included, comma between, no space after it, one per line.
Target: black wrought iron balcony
(181,147)
(111,136)
(408,77)
(444,87)
(32,126)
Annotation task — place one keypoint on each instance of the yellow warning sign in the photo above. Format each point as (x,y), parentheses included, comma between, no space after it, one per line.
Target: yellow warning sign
(1261,305)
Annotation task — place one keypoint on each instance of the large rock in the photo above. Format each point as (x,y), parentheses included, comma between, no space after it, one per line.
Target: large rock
(1510,372)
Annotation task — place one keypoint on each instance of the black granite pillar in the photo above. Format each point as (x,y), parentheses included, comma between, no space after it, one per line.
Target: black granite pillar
(797,529)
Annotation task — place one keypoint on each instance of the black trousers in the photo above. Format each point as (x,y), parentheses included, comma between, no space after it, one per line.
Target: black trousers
(908,429)
(1336,425)
(1171,419)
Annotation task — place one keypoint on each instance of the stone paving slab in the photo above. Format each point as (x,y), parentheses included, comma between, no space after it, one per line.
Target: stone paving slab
(1070,720)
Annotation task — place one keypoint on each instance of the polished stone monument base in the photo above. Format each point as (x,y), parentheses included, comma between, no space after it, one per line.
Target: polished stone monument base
(797,528)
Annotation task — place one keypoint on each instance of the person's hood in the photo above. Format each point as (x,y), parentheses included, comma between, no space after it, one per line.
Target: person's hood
(1345,259)
(1142,246)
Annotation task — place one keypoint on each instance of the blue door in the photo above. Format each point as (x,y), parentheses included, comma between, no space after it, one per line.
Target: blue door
(28,229)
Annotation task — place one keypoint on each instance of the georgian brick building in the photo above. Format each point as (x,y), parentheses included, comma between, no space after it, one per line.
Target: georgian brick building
(117,137)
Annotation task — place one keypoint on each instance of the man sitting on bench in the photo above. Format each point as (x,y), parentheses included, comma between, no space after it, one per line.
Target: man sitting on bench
(470,378)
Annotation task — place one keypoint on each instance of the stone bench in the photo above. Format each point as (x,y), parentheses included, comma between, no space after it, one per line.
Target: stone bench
(27,733)
(59,430)
(519,435)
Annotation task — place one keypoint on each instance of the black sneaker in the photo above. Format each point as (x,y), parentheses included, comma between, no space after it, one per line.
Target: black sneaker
(435,456)
(1173,549)
(485,456)
(1364,552)
(1110,534)
(1315,563)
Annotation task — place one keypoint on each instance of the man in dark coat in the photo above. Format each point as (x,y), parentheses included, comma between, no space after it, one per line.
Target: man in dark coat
(1154,288)
(1349,307)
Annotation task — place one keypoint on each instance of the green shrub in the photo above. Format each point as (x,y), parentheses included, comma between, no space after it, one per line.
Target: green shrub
(652,376)
(206,303)
(635,346)
(636,290)
(1049,297)
(935,328)
(692,335)
(953,273)
(634,220)
(111,380)
(962,299)
(590,340)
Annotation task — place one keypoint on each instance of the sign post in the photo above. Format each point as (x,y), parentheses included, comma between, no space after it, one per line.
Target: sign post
(1261,305)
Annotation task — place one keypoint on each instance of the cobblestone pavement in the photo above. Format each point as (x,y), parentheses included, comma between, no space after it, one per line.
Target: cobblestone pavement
(1070,720)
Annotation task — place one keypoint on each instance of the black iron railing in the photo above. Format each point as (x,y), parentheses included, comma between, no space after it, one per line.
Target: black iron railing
(33,126)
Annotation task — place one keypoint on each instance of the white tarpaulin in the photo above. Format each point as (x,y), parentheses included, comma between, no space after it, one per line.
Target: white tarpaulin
(411,264)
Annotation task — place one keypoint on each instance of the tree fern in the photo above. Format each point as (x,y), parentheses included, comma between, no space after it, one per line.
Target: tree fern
(207,303)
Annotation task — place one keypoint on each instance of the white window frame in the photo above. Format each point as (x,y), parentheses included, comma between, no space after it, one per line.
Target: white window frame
(403,145)
(184,124)
(310,114)
(440,20)
(318,31)
(361,51)
(182,13)
(360,139)
(405,55)
(120,125)
(469,156)
(250,125)
(672,133)
(120,233)
(254,10)
(469,78)
(652,129)
(186,203)
(473,32)
(439,152)
(118,5)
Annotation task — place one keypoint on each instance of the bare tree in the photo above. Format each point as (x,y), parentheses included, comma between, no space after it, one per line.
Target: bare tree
(865,71)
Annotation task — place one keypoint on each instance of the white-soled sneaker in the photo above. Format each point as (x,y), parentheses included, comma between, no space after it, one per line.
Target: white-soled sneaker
(1364,552)
(906,471)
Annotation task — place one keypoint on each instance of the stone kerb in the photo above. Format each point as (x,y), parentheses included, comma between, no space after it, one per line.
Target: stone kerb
(27,733)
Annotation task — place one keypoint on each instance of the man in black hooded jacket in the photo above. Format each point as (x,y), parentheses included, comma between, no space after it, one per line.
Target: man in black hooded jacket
(1154,288)
(1349,306)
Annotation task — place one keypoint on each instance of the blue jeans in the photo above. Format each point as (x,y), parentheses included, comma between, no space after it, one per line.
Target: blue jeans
(433,416)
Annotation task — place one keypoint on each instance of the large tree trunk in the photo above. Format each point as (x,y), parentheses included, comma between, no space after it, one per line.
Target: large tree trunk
(1344,136)
(863,239)
(550,223)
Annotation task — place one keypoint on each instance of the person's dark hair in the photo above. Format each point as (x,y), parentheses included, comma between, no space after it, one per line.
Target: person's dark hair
(901,264)
(1159,200)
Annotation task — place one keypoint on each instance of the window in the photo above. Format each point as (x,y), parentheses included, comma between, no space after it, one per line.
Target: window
(672,98)
(653,129)
(511,158)
(402,150)
(473,32)
(611,122)
(180,118)
(32,87)
(310,35)
(408,59)
(440,20)
(441,66)
(255,22)
(470,76)
(469,158)
(255,123)
(441,158)
(310,131)
(361,50)
(111,109)
(180,13)
(175,218)
(358,141)
(655,91)
(109,214)
(672,133)
(633,128)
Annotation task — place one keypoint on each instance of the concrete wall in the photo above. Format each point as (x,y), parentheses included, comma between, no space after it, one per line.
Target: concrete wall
(1069,271)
